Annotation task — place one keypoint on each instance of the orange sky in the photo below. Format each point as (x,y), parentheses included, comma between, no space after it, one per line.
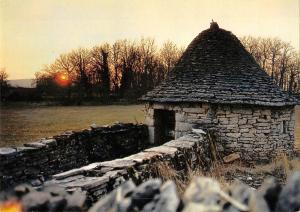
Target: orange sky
(35,32)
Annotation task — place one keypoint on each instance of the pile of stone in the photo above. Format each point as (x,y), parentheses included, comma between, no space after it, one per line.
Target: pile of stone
(203,194)
(35,161)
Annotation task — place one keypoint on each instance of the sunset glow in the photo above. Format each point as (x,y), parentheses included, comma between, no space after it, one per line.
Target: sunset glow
(34,32)
(62,79)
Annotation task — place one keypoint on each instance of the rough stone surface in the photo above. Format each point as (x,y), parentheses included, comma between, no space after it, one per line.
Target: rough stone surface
(257,133)
(36,161)
(99,178)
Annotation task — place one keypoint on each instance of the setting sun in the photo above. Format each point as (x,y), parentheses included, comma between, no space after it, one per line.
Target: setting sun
(62,79)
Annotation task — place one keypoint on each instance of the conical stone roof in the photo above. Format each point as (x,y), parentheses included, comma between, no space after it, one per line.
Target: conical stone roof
(216,68)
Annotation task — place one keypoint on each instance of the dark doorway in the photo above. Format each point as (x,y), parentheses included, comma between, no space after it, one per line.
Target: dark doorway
(164,123)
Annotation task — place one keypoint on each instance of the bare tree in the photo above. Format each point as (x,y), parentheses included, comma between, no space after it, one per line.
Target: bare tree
(274,53)
(3,77)
(284,59)
(128,58)
(100,68)
(252,45)
(117,65)
(80,59)
(3,83)
(278,58)
(264,48)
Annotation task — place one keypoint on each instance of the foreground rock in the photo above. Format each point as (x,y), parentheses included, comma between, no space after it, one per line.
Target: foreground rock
(203,194)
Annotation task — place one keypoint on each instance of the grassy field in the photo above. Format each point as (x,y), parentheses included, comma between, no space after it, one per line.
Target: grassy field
(22,125)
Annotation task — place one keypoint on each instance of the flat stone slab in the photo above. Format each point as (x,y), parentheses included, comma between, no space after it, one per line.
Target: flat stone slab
(35,145)
(144,156)
(232,157)
(182,144)
(190,138)
(50,142)
(69,173)
(25,149)
(94,182)
(91,166)
(73,172)
(68,179)
(163,149)
(118,163)
(6,151)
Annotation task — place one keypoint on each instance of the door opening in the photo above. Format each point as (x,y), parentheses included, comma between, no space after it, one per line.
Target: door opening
(164,123)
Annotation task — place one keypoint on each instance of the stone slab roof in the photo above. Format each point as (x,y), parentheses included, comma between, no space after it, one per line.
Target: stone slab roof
(216,68)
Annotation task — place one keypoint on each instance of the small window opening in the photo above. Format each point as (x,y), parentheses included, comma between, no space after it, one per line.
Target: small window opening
(284,127)
(265,116)
(164,123)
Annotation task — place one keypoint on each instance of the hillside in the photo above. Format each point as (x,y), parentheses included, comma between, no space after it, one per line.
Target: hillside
(26,83)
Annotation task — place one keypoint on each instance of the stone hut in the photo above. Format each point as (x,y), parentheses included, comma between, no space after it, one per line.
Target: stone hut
(218,83)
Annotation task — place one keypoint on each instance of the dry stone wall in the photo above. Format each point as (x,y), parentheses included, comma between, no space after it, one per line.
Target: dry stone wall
(202,194)
(257,133)
(35,161)
(97,179)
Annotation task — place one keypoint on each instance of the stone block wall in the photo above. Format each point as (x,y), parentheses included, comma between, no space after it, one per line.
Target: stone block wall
(37,160)
(97,179)
(257,133)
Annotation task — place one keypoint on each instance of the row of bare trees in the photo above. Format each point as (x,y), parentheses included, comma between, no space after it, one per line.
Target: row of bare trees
(125,69)
(280,60)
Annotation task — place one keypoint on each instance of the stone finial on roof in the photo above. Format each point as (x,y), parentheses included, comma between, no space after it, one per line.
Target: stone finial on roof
(214,25)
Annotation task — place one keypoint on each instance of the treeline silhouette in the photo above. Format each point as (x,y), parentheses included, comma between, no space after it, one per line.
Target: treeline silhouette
(278,58)
(126,69)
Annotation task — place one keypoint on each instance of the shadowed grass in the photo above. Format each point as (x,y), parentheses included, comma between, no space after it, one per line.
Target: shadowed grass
(281,166)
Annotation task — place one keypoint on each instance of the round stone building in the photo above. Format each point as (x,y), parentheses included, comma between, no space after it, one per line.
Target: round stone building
(218,83)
